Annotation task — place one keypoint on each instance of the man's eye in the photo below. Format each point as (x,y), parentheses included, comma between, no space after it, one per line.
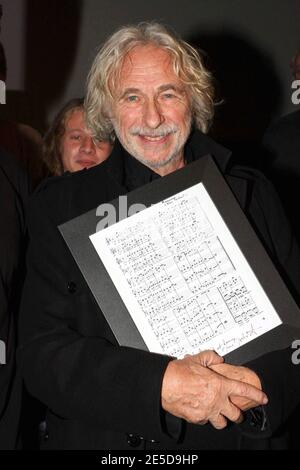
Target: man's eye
(168,95)
(132,98)
(75,137)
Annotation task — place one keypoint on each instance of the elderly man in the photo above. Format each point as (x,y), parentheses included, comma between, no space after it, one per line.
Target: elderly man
(150,90)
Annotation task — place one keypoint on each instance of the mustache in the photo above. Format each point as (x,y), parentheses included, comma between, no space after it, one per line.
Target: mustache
(161,131)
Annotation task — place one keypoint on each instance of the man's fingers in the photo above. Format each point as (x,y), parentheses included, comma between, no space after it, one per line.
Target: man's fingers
(233,413)
(218,422)
(248,391)
(208,358)
(242,403)
(212,358)
(240,373)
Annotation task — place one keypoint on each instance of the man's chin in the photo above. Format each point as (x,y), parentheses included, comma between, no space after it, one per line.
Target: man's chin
(155,164)
(152,160)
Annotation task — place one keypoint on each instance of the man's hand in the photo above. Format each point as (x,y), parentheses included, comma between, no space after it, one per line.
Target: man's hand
(242,374)
(193,391)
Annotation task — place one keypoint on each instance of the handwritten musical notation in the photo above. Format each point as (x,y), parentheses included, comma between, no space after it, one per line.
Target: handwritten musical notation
(183,278)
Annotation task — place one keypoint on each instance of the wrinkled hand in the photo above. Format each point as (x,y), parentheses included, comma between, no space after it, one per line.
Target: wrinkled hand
(242,374)
(193,391)
(207,358)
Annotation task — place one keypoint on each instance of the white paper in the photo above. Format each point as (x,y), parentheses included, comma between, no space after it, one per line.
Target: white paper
(183,278)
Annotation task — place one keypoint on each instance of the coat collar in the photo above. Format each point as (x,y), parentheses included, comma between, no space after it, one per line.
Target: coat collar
(131,173)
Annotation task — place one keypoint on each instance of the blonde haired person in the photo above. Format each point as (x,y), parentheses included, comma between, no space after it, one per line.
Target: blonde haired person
(68,144)
(186,62)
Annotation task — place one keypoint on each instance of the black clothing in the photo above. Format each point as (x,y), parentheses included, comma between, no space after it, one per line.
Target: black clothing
(282,163)
(100,395)
(14,192)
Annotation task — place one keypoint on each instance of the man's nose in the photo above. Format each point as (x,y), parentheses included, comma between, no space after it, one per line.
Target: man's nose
(153,116)
(87,144)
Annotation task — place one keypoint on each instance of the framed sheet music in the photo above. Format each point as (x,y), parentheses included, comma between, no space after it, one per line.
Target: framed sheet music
(185,273)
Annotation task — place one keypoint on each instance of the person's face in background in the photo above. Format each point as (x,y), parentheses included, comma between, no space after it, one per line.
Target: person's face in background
(78,149)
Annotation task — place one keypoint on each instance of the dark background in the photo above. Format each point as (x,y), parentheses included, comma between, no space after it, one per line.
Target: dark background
(50,45)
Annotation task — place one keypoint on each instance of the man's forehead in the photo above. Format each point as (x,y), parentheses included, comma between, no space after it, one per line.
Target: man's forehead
(146,51)
(145,57)
(145,65)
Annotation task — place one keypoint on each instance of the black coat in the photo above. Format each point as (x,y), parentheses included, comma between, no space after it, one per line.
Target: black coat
(97,393)
(282,163)
(14,192)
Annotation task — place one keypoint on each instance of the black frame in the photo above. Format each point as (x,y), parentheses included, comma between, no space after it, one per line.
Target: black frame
(77,231)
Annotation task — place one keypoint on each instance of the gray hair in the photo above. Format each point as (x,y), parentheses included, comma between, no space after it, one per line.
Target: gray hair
(105,71)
